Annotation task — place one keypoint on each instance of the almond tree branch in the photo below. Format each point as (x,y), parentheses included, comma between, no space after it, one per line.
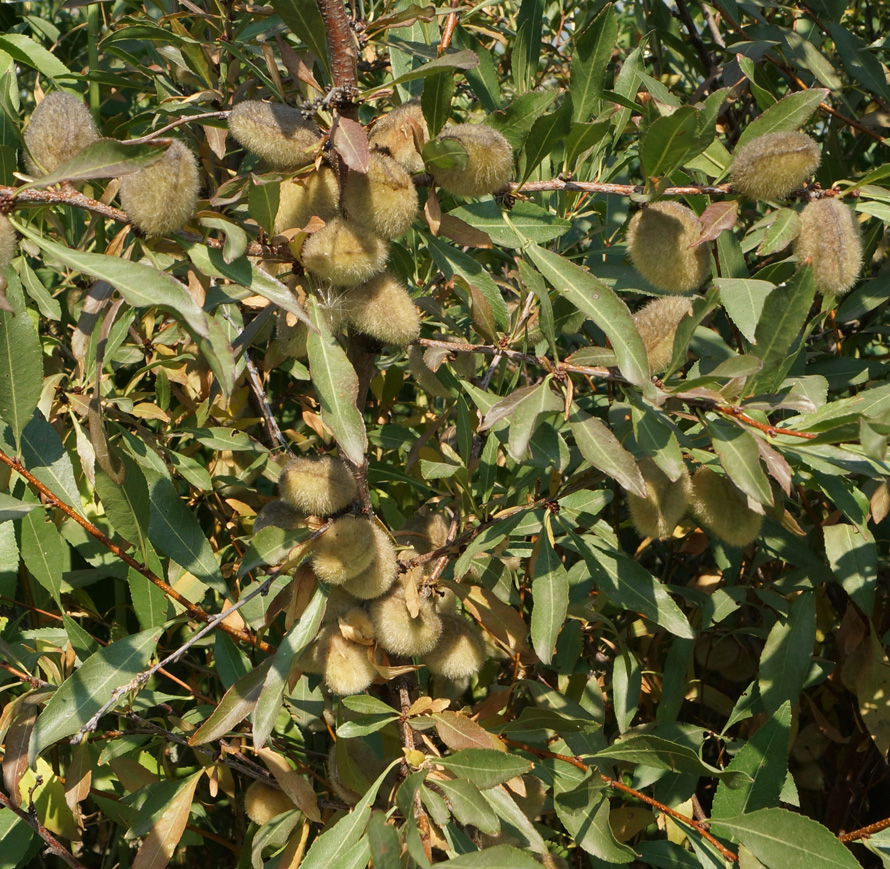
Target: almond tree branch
(192,609)
(53,845)
(865,832)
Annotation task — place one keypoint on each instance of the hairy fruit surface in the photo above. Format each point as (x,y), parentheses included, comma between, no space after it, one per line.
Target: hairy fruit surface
(716,505)
(277,133)
(460,651)
(384,200)
(380,574)
(318,486)
(772,165)
(831,238)
(347,669)
(657,323)
(489,161)
(316,194)
(344,550)
(8,243)
(383,309)
(262,802)
(666,501)
(398,133)
(345,253)
(60,127)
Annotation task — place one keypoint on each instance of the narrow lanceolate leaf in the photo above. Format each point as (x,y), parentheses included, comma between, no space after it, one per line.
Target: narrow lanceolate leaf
(550,593)
(292,783)
(853,557)
(743,300)
(485,768)
(465,59)
(45,457)
(522,408)
(336,382)
(160,844)
(104,158)
(295,640)
(740,458)
(12,508)
(601,304)
(237,703)
(765,758)
(546,133)
(43,551)
(667,141)
(785,840)
(304,20)
(21,362)
(584,812)
(469,806)
(789,113)
(127,503)
(593,50)
(602,449)
(786,656)
(141,285)
(498,857)
(84,693)
(175,531)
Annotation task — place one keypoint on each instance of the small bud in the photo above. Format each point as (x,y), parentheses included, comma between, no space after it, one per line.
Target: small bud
(382,309)
(384,200)
(489,161)
(666,501)
(772,165)
(347,669)
(60,127)
(397,631)
(8,243)
(659,239)
(460,651)
(344,253)
(424,375)
(657,323)
(277,133)
(830,236)
(317,486)
(717,506)
(397,134)
(377,578)
(316,194)
(280,514)
(344,550)
(163,196)
(262,802)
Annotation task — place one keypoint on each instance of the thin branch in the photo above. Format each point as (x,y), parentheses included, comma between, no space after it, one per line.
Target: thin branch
(53,845)
(865,832)
(192,609)
(617,785)
(177,123)
(772,430)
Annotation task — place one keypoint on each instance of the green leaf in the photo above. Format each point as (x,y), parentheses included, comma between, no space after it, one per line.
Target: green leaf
(785,840)
(175,531)
(271,545)
(662,753)
(550,593)
(601,304)
(235,244)
(780,233)
(304,20)
(485,768)
(656,437)
(237,703)
(45,457)
(584,812)
(104,158)
(765,758)
(854,562)
(627,682)
(517,119)
(498,857)
(465,59)
(602,449)
(547,132)
(522,407)
(590,60)
(86,690)
(141,285)
(787,655)
(383,840)
(336,382)
(469,806)
(863,66)
(149,602)
(438,91)
(667,141)
(629,585)
(21,361)
(367,705)
(26,50)
(12,508)
(527,48)
(127,503)
(529,221)
(262,202)
(790,113)
(294,641)
(737,449)
(43,550)
(743,300)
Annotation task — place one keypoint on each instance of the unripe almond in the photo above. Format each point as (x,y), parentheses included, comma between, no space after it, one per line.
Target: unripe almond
(660,239)
(60,127)
(345,253)
(319,486)
(8,243)
(426,530)
(262,802)
(347,669)
(831,238)
(400,633)
(719,508)
(666,501)
(424,375)
(380,574)
(277,133)
(657,323)
(460,651)
(384,200)
(163,196)
(344,550)
(397,134)
(772,165)
(316,194)
(383,309)
(280,514)
(489,161)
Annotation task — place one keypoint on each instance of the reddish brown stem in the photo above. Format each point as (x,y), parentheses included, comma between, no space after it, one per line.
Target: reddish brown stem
(192,609)
(341,45)
(53,845)
(772,430)
(865,832)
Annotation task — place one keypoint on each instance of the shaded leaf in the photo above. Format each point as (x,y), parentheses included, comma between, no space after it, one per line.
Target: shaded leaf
(485,768)
(590,60)
(160,844)
(853,558)
(602,449)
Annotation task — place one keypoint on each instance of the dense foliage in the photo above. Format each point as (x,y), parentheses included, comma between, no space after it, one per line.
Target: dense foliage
(668,524)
